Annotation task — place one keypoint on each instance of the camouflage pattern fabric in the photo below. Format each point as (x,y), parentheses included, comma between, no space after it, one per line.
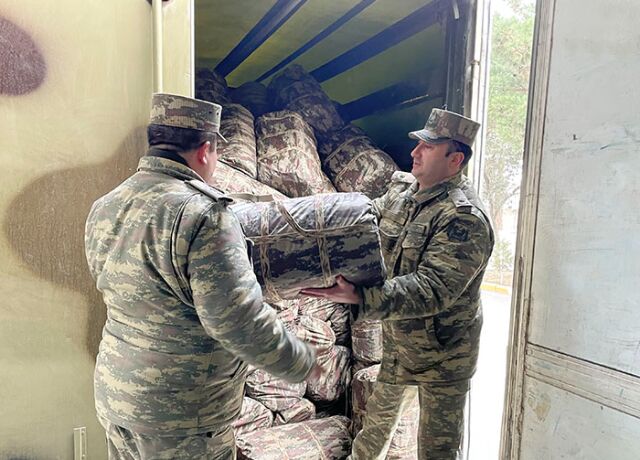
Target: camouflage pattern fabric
(366,341)
(211,86)
(301,411)
(335,377)
(253,416)
(357,366)
(437,243)
(315,332)
(307,242)
(340,322)
(240,149)
(296,90)
(287,156)
(354,163)
(232,181)
(440,428)
(184,112)
(274,393)
(403,440)
(288,312)
(185,313)
(443,125)
(123,444)
(253,96)
(321,439)
(337,315)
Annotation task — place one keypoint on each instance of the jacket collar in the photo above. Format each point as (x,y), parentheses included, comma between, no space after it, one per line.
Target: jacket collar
(164,165)
(423,196)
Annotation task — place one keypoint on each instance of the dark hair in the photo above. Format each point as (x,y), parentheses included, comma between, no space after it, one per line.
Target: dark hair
(184,139)
(456,146)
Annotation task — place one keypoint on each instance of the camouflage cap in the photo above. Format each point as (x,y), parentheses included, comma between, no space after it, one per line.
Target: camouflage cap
(443,126)
(185,112)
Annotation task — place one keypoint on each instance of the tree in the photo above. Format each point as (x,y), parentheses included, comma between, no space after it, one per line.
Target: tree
(508,92)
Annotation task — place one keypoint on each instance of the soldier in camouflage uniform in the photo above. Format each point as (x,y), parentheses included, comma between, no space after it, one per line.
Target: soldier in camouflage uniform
(184,310)
(437,239)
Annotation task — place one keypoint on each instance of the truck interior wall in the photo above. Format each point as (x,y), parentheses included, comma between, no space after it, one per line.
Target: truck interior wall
(421,59)
(72,117)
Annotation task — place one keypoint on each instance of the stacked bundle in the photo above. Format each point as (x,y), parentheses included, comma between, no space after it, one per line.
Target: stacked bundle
(326,438)
(211,86)
(253,96)
(296,137)
(233,181)
(307,242)
(239,151)
(335,314)
(296,90)
(354,163)
(287,156)
(404,442)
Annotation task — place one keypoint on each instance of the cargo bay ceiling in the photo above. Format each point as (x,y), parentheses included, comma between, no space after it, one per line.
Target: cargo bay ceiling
(386,62)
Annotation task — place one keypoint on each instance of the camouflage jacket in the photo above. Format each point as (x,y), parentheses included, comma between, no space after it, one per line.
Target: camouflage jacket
(184,309)
(436,244)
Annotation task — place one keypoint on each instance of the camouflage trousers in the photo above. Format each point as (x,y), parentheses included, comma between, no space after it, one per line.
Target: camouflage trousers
(441,420)
(123,444)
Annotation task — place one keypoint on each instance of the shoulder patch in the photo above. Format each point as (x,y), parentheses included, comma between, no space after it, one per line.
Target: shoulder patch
(457,232)
(460,201)
(209,191)
(401,176)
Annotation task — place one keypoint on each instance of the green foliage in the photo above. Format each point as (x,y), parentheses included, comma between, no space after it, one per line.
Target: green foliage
(508,92)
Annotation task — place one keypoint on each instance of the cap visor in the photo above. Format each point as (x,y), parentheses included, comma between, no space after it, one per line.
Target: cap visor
(426,136)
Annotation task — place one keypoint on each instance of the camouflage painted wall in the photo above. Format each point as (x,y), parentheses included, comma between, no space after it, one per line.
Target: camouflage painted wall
(75,88)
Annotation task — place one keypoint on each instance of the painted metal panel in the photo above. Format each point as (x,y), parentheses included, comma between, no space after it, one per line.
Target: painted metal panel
(560,425)
(584,292)
(73,107)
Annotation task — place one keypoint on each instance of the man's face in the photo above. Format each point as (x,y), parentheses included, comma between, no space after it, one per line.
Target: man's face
(430,163)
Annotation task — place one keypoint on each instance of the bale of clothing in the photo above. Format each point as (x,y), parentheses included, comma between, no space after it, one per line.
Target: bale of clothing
(302,179)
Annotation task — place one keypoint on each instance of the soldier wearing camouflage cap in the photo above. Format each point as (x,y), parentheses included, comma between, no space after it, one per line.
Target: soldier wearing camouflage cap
(185,312)
(436,239)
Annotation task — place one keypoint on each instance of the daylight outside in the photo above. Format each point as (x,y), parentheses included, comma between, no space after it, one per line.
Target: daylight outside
(510,59)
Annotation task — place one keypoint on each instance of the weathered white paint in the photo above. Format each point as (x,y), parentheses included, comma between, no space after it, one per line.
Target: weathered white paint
(602,385)
(577,315)
(560,425)
(587,261)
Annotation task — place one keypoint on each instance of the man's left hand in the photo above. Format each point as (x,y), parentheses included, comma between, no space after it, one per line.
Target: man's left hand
(341,292)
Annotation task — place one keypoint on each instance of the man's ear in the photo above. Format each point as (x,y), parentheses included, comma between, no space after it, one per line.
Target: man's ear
(457,158)
(202,153)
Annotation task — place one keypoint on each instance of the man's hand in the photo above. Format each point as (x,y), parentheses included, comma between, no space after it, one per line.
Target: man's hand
(341,292)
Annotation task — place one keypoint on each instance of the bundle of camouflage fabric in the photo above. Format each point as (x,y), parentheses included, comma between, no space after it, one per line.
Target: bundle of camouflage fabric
(299,412)
(287,156)
(320,439)
(354,163)
(294,89)
(288,312)
(211,86)
(253,416)
(334,360)
(307,242)
(233,181)
(404,444)
(335,314)
(236,125)
(253,96)
(274,393)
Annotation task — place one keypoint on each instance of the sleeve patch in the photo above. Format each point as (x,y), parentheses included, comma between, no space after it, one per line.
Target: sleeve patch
(458,232)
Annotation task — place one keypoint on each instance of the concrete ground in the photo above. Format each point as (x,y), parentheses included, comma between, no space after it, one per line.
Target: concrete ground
(487,388)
